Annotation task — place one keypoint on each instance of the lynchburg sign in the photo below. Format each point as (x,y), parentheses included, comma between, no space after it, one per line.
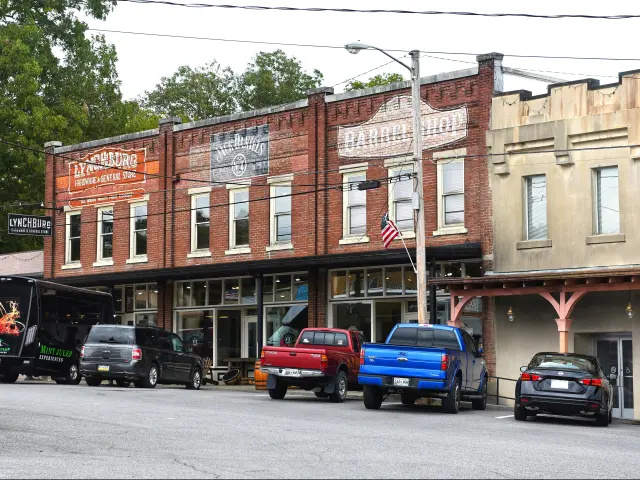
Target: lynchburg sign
(29,225)
(107,166)
(389,132)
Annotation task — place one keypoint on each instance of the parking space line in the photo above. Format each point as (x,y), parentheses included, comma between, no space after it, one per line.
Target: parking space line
(505,416)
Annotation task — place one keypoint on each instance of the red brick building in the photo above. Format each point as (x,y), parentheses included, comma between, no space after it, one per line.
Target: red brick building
(239,228)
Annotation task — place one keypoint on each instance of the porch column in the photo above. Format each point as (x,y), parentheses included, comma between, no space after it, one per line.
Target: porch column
(563,308)
(564,324)
(457,306)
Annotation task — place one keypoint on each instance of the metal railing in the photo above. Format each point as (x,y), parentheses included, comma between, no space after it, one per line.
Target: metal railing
(507,384)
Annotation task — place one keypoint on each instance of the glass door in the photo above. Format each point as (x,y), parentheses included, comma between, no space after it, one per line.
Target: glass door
(615,355)
(249,337)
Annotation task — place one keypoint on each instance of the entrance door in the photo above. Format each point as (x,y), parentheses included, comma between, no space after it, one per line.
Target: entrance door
(249,337)
(615,355)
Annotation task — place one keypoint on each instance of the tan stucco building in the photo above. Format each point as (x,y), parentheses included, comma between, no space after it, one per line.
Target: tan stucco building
(565,182)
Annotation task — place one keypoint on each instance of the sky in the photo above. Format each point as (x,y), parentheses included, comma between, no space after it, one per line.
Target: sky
(144,60)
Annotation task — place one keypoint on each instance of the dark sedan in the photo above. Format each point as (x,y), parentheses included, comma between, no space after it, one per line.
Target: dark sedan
(564,384)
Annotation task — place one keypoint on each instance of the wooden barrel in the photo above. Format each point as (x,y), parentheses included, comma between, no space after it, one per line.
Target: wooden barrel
(259,377)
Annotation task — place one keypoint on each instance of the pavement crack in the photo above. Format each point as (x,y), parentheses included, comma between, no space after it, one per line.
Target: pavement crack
(199,470)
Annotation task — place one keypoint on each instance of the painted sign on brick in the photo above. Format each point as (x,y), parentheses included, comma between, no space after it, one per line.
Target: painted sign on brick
(389,132)
(240,154)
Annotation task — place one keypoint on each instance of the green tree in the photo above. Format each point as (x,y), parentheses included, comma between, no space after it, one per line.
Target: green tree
(194,94)
(377,81)
(273,79)
(55,84)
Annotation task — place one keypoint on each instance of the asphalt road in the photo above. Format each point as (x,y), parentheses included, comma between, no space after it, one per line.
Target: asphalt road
(56,431)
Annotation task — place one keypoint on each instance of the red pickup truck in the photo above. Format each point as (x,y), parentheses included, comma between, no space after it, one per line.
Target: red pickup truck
(325,360)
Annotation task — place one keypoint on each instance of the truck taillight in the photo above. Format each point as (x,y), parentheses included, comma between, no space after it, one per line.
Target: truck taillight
(362,356)
(82,352)
(136,353)
(262,354)
(445,362)
(324,361)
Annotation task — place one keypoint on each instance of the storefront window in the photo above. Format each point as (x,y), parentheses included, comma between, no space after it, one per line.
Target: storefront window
(283,288)
(356,315)
(248,290)
(146,319)
(231,291)
(267,290)
(118,301)
(229,336)
(215,292)
(184,294)
(199,292)
(142,297)
(153,296)
(284,323)
(196,331)
(393,281)
(388,314)
(301,288)
(356,283)
(410,282)
(375,282)
(339,284)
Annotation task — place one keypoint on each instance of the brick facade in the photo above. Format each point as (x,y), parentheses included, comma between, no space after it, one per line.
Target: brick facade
(303,141)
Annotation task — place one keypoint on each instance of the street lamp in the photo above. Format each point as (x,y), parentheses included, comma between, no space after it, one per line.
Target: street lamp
(418,199)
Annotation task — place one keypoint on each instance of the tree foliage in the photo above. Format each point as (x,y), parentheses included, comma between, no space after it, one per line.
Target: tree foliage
(376,81)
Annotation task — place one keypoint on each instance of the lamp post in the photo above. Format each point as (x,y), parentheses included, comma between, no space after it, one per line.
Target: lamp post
(418,199)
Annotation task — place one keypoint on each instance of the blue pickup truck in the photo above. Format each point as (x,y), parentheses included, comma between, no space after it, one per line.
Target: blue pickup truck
(434,361)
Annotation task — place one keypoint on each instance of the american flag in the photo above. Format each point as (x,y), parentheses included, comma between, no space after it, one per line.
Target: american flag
(389,230)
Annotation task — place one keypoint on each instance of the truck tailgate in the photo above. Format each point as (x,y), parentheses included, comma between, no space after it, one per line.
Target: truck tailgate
(288,357)
(401,361)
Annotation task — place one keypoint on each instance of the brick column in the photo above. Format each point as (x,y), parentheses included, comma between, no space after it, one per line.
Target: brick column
(167,168)
(50,201)
(488,333)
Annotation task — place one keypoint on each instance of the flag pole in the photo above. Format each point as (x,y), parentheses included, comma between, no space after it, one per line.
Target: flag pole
(415,270)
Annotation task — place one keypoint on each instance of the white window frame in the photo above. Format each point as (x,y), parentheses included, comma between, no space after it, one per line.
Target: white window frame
(394,170)
(101,260)
(67,241)
(233,248)
(527,180)
(348,173)
(195,194)
(275,182)
(133,258)
(442,158)
(597,228)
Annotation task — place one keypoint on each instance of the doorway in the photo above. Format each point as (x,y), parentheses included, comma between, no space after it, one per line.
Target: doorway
(249,337)
(615,354)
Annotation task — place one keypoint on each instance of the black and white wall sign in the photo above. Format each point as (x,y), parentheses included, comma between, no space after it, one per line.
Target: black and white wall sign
(29,225)
(240,154)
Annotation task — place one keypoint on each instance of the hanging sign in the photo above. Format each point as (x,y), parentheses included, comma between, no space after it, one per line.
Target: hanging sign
(240,154)
(389,132)
(29,225)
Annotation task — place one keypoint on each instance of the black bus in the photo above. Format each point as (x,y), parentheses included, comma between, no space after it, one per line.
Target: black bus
(43,326)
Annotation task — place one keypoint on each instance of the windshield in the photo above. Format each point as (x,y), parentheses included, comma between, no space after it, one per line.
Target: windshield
(563,362)
(15,298)
(111,334)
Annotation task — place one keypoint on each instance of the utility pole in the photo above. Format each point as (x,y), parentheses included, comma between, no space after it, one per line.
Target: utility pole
(418,197)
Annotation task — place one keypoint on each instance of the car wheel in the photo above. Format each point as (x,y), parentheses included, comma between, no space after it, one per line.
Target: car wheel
(451,404)
(340,389)
(151,379)
(602,420)
(93,382)
(73,376)
(123,383)
(519,413)
(610,416)
(407,398)
(9,378)
(195,380)
(372,397)
(481,404)
(279,392)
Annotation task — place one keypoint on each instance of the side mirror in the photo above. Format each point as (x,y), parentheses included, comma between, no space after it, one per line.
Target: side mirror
(522,369)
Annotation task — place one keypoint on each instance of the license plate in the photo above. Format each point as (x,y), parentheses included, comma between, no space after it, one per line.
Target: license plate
(563,384)
(103,368)
(291,372)
(401,382)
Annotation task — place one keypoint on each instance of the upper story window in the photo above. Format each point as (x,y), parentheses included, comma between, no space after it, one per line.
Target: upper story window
(105,233)
(239,218)
(200,219)
(138,240)
(73,225)
(354,205)
(452,194)
(280,213)
(607,201)
(536,207)
(400,198)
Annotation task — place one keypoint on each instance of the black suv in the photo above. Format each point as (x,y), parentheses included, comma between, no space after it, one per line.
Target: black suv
(145,356)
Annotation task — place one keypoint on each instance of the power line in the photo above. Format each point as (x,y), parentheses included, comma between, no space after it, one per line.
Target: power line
(406,12)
